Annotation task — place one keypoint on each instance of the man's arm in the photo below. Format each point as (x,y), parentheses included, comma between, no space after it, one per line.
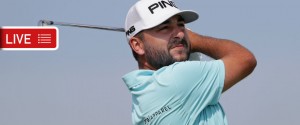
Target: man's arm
(239,62)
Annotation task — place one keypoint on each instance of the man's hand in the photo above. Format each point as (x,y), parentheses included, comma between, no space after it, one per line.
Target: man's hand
(239,62)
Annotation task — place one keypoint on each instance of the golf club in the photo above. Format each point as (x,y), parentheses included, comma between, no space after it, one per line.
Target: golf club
(193,56)
(49,22)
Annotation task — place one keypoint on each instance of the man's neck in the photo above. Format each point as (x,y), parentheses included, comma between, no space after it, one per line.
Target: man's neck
(143,64)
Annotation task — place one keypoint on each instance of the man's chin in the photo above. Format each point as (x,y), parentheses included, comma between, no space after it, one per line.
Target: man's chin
(179,58)
(179,55)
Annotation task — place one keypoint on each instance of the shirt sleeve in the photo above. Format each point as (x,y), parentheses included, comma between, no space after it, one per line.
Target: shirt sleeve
(197,83)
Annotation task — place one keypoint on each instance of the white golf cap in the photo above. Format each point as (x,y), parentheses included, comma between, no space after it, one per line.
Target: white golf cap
(146,14)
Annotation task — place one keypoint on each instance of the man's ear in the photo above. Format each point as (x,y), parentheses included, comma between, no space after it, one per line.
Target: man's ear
(137,45)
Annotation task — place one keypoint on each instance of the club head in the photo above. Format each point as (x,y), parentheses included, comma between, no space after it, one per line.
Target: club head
(45,23)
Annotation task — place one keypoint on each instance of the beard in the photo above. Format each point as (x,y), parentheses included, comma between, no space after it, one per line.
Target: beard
(159,57)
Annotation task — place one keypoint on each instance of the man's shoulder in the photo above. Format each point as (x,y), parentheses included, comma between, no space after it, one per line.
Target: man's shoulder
(188,69)
(133,77)
(190,65)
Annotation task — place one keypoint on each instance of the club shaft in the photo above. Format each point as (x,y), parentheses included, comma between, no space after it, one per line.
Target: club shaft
(48,22)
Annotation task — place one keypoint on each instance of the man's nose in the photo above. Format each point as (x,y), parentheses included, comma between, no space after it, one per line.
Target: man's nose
(179,32)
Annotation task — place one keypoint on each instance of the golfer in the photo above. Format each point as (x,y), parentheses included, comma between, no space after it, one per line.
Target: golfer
(168,89)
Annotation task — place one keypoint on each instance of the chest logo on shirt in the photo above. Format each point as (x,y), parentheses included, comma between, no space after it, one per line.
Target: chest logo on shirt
(156,114)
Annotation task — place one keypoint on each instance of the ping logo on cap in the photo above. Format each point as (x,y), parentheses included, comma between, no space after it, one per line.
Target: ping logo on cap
(130,31)
(162,4)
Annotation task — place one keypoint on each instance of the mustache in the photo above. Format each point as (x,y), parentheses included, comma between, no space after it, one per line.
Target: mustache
(177,41)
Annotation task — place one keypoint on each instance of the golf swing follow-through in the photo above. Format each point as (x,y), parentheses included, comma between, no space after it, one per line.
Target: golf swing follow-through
(168,88)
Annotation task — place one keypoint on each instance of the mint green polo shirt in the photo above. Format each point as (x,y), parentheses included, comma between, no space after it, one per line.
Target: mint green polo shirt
(184,93)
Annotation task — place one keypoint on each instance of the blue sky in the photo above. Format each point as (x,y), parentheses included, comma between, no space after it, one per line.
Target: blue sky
(80,83)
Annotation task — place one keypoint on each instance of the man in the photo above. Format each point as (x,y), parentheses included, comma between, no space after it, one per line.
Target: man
(168,89)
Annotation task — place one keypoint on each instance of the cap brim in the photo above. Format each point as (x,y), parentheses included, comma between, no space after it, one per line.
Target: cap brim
(188,16)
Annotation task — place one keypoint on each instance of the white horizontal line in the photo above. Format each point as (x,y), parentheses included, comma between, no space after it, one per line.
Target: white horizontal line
(44,37)
(44,42)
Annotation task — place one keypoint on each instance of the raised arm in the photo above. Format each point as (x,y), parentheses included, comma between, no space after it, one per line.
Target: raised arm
(239,62)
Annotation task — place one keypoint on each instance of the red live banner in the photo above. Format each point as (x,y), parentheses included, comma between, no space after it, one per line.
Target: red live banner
(29,38)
